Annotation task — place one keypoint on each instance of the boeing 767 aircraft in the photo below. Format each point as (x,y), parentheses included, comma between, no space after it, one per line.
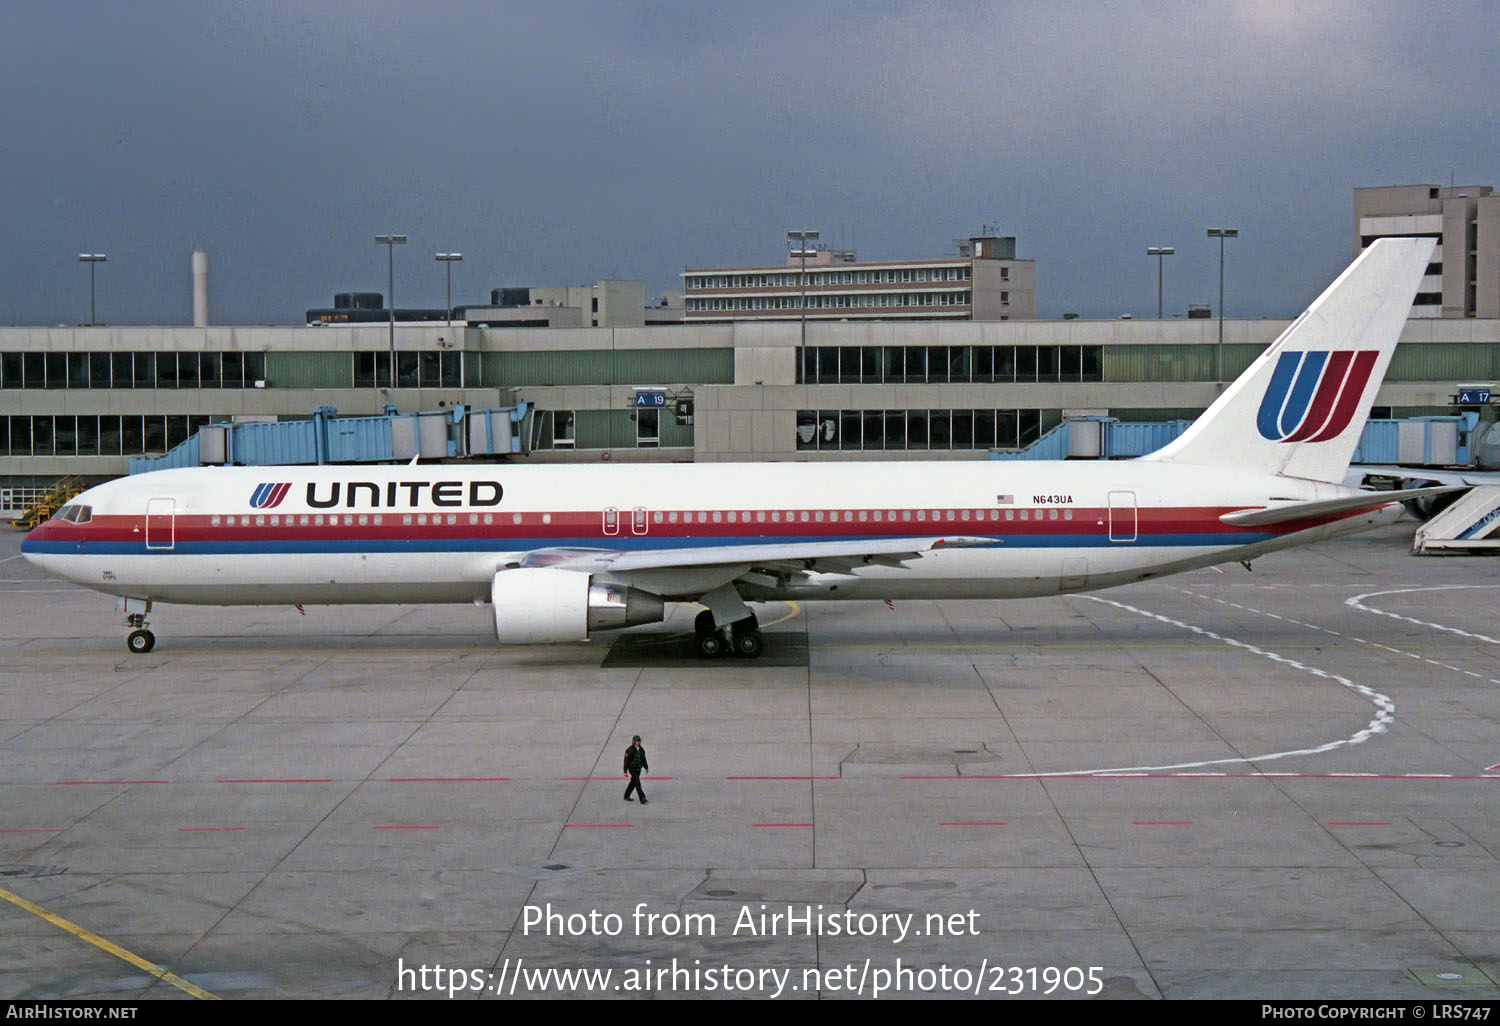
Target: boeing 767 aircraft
(563,551)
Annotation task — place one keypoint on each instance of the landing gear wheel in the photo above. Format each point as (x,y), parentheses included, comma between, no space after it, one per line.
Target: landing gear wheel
(140,642)
(711,645)
(749,645)
(703,623)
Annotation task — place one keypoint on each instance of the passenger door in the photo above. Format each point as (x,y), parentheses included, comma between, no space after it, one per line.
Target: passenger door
(1122,517)
(161,524)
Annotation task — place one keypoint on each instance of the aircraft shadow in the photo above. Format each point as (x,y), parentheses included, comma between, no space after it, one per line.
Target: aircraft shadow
(678,649)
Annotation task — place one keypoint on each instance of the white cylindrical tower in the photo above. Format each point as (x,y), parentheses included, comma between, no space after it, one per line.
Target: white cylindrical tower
(200,289)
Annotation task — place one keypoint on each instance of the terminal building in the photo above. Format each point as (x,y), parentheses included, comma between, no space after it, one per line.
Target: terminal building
(83,400)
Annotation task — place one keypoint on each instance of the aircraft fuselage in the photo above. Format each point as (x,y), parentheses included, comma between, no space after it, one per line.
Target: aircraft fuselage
(264,535)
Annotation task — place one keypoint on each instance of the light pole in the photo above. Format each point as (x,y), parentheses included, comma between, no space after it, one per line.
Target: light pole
(390,242)
(91,259)
(1159,252)
(448,260)
(802,238)
(1221,234)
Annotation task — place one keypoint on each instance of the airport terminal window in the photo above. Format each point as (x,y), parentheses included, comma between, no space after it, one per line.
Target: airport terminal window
(78,370)
(88,435)
(1026,363)
(57,370)
(166,370)
(541,429)
(413,370)
(177,430)
(406,370)
(563,431)
(371,369)
(232,370)
(65,436)
(102,370)
(41,436)
(834,365)
(155,430)
(647,429)
(916,430)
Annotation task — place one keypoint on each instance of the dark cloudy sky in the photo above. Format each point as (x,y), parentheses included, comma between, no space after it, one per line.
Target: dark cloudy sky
(562,142)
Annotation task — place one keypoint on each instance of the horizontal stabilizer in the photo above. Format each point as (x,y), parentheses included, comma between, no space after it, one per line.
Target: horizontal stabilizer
(1328,507)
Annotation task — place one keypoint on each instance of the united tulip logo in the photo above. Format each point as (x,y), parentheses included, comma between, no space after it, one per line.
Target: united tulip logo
(269,496)
(1314,395)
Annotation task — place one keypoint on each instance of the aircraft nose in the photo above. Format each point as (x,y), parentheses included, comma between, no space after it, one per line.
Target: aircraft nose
(32,545)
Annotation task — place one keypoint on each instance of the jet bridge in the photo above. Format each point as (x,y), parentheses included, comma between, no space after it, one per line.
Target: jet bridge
(457,432)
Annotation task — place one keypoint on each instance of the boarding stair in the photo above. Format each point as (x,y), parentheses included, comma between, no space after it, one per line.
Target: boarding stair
(1472,524)
(49,502)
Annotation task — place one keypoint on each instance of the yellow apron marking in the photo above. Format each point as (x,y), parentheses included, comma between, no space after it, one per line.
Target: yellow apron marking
(104,945)
(796,609)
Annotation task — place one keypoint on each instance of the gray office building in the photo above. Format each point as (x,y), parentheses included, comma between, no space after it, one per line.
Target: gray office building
(1464,277)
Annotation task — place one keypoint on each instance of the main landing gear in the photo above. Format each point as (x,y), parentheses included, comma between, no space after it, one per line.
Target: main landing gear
(741,638)
(140,640)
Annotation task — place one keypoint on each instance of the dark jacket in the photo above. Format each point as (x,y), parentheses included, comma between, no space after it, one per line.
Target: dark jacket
(635,759)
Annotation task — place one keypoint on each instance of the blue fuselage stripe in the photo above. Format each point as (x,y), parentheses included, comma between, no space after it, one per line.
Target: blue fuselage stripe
(325,546)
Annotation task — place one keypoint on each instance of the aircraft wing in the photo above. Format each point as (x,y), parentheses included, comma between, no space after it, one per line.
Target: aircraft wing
(810,557)
(837,557)
(1327,507)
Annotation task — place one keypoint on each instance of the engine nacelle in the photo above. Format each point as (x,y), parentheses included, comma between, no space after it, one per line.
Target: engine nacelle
(539,604)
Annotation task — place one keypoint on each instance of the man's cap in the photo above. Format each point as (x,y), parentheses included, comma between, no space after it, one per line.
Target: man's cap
(636,738)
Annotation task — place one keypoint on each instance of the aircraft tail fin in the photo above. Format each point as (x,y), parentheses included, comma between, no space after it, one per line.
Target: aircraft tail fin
(1300,408)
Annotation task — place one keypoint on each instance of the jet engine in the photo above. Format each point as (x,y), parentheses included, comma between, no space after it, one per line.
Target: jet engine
(543,604)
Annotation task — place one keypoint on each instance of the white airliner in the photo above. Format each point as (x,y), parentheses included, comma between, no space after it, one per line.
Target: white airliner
(561,551)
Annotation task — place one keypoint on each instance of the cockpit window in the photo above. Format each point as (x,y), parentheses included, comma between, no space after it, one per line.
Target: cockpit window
(75,514)
(85,514)
(66,513)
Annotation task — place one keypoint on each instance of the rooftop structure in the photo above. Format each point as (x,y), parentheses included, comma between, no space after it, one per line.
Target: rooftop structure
(984,282)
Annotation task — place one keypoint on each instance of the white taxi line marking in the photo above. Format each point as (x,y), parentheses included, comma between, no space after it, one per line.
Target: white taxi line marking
(1385,708)
(1358,603)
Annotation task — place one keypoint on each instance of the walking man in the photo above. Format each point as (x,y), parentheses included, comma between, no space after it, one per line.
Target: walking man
(635,762)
